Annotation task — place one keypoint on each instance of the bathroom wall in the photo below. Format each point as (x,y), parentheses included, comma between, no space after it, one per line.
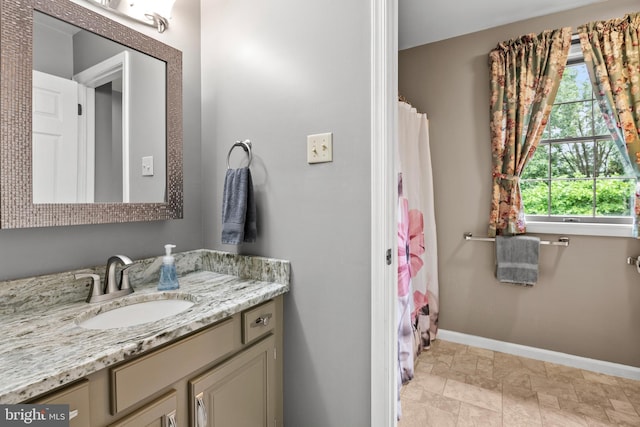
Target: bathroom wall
(275,72)
(586,300)
(29,252)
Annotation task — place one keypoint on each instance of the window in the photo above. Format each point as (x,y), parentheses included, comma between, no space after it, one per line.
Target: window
(577,174)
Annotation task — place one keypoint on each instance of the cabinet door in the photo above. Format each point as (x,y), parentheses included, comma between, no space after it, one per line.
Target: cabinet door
(239,392)
(159,413)
(77,397)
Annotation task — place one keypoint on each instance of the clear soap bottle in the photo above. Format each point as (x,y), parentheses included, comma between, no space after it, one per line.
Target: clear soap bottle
(168,275)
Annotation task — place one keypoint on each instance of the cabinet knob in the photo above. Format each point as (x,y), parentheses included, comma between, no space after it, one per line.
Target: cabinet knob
(263,320)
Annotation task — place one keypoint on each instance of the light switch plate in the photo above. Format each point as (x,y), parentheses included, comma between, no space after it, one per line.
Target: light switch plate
(147,166)
(320,148)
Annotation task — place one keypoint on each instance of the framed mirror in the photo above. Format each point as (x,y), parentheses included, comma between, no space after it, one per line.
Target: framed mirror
(125,168)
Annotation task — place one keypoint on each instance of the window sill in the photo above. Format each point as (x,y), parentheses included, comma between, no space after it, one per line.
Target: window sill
(607,230)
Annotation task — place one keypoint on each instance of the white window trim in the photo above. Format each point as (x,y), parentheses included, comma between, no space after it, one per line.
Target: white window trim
(581,229)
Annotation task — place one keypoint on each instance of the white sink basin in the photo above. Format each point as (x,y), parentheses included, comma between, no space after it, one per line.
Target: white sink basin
(135,313)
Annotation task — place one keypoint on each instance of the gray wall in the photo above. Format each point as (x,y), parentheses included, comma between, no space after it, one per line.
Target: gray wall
(52,49)
(586,300)
(275,72)
(30,252)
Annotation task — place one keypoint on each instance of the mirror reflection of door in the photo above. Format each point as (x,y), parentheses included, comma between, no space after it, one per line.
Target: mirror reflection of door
(55,125)
(120,153)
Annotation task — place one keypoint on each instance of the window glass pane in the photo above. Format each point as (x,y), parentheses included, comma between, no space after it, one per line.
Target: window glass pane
(609,161)
(614,196)
(598,121)
(570,120)
(572,160)
(535,197)
(572,197)
(575,84)
(538,166)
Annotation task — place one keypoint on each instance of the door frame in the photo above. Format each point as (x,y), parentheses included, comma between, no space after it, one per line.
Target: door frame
(384,189)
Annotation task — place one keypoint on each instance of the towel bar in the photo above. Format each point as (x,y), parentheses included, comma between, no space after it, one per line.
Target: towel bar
(246,146)
(562,241)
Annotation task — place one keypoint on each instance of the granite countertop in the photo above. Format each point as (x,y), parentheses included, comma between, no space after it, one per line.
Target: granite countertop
(43,348)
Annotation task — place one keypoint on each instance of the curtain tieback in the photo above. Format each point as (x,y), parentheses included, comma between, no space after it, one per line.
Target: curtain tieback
(506,176)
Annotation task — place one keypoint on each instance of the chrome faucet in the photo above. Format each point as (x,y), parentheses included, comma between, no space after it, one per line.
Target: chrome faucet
(111,289)
(110,285)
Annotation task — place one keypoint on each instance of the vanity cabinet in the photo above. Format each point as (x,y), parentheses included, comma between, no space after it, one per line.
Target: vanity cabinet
(229,373)
(240,392)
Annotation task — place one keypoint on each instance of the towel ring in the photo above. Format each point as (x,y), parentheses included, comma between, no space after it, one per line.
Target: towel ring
(246,146)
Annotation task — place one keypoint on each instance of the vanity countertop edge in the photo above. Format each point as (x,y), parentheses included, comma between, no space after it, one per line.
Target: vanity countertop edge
(43,348)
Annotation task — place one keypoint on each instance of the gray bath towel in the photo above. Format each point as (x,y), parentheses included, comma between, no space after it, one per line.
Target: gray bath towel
(517,259)
(238,208)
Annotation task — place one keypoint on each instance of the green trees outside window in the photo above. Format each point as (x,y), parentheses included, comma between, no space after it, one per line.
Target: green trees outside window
(577,170)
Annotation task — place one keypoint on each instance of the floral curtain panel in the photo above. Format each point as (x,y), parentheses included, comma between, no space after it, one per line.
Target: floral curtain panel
(612,55)
(525,76)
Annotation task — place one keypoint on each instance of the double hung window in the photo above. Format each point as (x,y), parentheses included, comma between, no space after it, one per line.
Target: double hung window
(577,174)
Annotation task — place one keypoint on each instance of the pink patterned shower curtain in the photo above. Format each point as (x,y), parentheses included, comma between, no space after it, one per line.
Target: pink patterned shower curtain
(417,256)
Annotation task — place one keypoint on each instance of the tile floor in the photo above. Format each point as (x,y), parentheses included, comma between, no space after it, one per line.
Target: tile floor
(459,385)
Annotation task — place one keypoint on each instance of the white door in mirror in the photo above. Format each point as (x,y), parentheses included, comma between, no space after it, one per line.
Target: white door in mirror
(55,124)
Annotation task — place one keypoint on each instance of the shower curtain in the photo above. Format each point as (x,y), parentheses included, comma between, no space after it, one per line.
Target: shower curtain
(417,257)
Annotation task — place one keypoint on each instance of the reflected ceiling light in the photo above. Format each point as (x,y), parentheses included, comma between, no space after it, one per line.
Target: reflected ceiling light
(155,13)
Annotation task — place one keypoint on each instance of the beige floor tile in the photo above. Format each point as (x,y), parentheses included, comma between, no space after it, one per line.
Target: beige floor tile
(520,405)
(413,390)
(484,382)
(548,400)
(413,414)
(465,363)
(562,373)
(474,395)
(592,422)
(431,383)
(591,392)
(555,388)
(444,371)
(484,367)
(474,416)
(623,418)
(587,409)
(481,352)
(443,403)
(512,377)
(458,385)
(623,406)
(439,418)
(600,378)
(552,417)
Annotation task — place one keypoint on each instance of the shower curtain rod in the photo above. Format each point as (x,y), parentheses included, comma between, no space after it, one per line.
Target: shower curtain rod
(401,98)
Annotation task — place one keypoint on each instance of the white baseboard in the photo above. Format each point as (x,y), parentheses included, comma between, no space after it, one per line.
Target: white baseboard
(579,362)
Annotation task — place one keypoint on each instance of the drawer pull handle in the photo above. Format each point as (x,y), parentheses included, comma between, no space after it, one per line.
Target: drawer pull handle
(171,419)
(263,320)
(73,414)
(201,411)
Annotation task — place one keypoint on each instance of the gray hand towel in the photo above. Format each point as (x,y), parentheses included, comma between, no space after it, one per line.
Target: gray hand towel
(517,259)
(238,208)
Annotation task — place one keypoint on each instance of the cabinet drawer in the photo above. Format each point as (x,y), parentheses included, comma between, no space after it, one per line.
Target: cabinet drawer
(77,397)
(148,374)
(258,321)
(161,412)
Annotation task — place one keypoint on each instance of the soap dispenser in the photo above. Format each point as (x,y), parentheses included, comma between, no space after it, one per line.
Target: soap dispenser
(168,275)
